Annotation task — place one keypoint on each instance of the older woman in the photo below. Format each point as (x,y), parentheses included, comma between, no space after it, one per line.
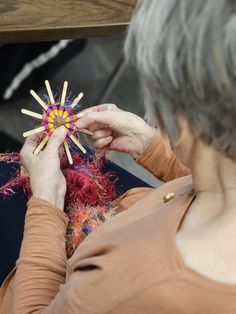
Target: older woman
(172,250)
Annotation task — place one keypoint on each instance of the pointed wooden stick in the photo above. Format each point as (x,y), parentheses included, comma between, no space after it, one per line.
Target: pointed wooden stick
(77,99)
(85,131)
(68,154)
(34,131)
(32,114)
(74,139)
(39,100)
(64,91)
(41,145)
(76,117)
(48,87)
(80,115)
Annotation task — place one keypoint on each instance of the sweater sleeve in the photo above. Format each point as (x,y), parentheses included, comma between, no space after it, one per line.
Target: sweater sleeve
(160,160)
(41,267)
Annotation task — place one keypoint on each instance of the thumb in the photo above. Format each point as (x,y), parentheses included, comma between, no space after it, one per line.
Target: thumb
(56,140)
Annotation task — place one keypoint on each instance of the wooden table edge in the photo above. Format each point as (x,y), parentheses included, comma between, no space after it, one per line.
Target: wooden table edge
(58,33)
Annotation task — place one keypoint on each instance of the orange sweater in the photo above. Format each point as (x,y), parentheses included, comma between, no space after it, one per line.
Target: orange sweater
(130,264)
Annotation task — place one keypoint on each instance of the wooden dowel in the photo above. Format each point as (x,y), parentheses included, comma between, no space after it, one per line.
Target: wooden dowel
(74,139)
(85,131)
(68,154)
(34,131)
(77,116)
(48,87)
(64,91)
(41,145)
(39,100)
(77,99)
(32,114)
(80,115)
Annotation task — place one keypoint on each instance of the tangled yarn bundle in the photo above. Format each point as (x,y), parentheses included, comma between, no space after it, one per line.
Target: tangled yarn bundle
(90,197)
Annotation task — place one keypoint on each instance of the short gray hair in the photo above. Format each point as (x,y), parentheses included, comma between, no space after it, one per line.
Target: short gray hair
(185,53)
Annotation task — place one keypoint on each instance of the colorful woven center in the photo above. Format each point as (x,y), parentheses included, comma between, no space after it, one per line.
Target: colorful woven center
(56,116)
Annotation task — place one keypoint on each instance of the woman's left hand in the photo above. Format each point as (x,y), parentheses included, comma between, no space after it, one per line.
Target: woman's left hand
(46,179)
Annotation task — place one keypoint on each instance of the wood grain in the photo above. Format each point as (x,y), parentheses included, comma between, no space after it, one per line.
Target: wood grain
(42,20)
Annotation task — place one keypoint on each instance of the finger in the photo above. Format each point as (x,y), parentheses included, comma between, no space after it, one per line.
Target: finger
(95,126)
(101,133)
(103,142)
(94,120)
(103,107)
(31,141)
(29,145)
(87,122)
(56,140)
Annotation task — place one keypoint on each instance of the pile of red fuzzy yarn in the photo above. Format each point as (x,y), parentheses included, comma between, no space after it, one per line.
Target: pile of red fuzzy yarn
(90,197)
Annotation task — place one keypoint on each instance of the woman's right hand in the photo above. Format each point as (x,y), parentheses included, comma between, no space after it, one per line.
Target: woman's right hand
(116,129)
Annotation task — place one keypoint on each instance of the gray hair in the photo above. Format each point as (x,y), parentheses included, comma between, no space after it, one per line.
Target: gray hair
(185,53)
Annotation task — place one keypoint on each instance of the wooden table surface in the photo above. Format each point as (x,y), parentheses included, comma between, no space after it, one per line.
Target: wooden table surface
(43,20)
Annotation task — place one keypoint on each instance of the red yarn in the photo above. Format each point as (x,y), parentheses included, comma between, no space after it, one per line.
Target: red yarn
(90,196)
(83,220)
(15,183)
(10,157)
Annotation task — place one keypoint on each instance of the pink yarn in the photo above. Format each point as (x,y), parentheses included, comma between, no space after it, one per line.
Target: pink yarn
(90,197)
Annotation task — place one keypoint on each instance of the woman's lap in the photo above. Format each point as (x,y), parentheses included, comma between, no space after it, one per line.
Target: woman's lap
(13,208)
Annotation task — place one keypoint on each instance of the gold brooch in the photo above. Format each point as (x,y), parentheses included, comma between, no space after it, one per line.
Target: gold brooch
(169,196)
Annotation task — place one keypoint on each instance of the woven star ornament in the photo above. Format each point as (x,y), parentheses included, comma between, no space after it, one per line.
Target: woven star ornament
(56,113)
